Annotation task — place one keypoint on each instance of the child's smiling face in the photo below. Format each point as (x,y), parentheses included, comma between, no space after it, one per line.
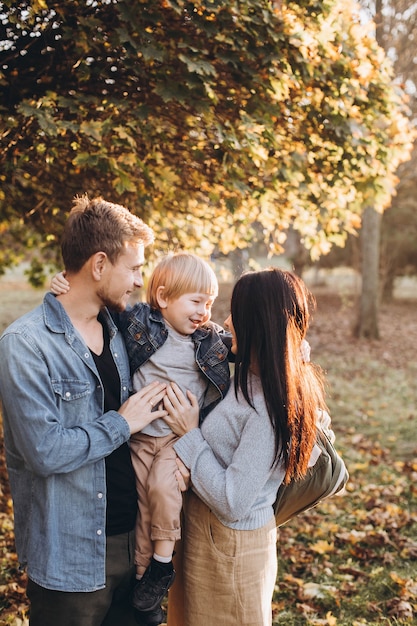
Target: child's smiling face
(186,312)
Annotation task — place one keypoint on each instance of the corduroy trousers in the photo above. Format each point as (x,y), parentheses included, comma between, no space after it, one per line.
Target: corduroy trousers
(229,575)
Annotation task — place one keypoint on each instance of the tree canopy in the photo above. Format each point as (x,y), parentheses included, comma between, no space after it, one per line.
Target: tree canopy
(204,118)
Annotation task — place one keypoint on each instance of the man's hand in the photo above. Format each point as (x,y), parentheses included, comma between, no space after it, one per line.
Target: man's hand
(139,410)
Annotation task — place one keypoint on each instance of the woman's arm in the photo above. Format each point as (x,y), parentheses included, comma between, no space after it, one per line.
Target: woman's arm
(229,491)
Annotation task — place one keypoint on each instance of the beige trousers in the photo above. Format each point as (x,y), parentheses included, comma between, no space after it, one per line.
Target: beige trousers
(159,496)
(229,575)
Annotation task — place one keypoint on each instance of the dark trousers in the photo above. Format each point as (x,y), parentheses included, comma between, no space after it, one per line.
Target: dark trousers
(106,607)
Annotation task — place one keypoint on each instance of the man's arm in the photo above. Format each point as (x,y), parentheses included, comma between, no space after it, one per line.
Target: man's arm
(52,422)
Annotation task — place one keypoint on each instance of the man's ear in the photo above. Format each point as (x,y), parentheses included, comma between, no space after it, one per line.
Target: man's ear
(161,300)
(98,262)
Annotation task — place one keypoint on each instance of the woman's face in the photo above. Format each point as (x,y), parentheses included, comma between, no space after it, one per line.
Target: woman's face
(228,324)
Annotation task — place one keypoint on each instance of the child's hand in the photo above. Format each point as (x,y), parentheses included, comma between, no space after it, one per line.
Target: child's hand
(59,284)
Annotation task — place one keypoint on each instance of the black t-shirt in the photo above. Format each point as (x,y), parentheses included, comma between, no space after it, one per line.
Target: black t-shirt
(120,477)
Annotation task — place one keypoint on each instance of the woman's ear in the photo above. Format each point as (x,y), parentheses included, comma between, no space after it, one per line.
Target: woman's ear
(161,300)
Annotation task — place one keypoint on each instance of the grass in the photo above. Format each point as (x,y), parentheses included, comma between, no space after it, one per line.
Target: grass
(351,561)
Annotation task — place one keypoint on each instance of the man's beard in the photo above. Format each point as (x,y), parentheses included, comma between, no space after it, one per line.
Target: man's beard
(118,306)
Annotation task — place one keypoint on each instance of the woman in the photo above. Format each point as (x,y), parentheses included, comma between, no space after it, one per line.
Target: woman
(261,434)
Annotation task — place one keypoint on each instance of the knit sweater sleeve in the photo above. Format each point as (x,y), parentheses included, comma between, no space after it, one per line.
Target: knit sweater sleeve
(244,486)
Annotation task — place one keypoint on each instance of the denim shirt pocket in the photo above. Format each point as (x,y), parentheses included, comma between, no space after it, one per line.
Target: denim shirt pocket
(70,397)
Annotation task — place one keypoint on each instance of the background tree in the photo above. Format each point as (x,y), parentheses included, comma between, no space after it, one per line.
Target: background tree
(367,315)
(397,33)
(395,30)
(204,118)
(399,233)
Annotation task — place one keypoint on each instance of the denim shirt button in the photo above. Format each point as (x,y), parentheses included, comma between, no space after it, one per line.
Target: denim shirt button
(86,355)
(115,355)
(99,532)
(99,495)
(124,387)
(67,394)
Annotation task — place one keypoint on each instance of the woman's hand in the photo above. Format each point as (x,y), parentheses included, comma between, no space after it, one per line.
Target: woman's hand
(182,411)
(305,350)
(142,408)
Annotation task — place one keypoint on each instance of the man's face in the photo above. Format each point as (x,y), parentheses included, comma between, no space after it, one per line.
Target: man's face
(119,280)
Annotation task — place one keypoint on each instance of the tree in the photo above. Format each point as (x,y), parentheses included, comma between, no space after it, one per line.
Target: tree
(399,233)
(395,27)
(367,318)
(204,118)
(399,224)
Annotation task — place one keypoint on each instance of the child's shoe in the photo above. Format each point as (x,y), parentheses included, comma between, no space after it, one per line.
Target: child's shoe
(152,588)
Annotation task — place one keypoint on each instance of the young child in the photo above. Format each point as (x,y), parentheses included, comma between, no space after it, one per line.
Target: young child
(168,338)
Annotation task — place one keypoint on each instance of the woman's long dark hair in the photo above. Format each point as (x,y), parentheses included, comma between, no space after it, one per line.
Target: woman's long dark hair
(270,315)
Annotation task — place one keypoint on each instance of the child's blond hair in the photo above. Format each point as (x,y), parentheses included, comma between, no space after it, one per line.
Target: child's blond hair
(181,273)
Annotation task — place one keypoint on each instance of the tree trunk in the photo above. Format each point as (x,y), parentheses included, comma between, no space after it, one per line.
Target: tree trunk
(239,260)
(367,321)
(387,287)
(296,252)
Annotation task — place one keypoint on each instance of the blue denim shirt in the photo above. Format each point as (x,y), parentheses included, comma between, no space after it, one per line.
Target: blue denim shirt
(56,438)
(144,331)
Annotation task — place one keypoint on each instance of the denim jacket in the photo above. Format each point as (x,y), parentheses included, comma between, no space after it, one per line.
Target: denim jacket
(144,331)
(56,437)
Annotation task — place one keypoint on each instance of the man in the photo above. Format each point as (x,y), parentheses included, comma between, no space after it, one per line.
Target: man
(67,414)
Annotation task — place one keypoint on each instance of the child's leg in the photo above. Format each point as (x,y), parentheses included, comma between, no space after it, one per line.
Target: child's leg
(163,548)
(165,499)
(165,502)
(142,448)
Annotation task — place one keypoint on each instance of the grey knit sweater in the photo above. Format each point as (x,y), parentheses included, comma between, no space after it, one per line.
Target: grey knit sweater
(230,460)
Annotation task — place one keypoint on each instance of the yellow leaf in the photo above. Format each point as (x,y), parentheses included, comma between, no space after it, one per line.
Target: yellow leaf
(397,579)
(322,547)
(92,129)
(331,619)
